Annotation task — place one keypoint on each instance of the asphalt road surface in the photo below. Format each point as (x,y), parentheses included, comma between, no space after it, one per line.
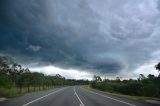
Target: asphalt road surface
(71,96)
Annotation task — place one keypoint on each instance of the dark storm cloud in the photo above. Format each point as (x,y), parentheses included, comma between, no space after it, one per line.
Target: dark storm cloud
(79,33)
(30,25)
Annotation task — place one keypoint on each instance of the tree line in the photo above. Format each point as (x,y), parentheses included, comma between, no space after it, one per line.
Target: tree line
(142,86)
(14,75)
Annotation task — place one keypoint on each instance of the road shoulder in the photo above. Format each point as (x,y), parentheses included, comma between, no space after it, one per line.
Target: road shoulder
(150,100)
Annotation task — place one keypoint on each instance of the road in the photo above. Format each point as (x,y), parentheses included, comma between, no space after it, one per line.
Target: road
(71,96)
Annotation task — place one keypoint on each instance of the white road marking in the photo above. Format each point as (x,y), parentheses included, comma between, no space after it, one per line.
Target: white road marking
(42,97)
(112,98)
(81,103)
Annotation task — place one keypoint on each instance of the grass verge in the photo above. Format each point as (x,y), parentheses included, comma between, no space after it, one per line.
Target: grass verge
(15,92)
(120,95)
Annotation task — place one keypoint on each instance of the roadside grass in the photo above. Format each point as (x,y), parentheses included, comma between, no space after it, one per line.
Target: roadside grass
(15,92)
(121,95)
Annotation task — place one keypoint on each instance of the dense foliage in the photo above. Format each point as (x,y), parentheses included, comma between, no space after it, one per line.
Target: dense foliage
(143,86)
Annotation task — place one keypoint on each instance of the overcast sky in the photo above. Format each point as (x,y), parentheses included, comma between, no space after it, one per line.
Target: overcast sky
(80,38)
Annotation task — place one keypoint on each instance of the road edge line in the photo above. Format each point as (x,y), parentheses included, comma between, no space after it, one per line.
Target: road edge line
(111,98)
(26,104)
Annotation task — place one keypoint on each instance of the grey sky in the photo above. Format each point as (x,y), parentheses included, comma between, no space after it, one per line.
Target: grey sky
(106,36)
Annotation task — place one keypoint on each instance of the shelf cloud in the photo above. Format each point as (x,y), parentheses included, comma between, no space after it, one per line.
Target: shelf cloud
(106,36)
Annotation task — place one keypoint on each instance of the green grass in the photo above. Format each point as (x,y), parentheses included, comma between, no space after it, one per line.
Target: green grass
(121,95)
(15,92)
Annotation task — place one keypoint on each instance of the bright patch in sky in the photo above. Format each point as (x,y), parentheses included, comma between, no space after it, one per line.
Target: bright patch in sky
(147,68)
(67,73)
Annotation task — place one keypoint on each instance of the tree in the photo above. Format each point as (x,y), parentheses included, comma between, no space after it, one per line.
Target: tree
(158,67)
(97,78)
(5,69)
(141,77)
(150,76)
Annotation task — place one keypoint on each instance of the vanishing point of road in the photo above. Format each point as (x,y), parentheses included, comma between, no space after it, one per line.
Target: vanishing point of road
(72,96)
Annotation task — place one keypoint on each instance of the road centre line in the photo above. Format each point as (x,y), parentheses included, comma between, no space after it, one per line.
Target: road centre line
(81,103)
